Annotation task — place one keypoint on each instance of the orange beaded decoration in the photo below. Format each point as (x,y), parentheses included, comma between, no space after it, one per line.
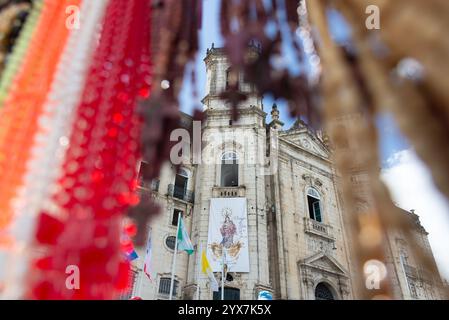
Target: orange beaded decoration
(23,105)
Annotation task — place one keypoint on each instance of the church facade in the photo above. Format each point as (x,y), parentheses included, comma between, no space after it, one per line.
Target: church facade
(270,196)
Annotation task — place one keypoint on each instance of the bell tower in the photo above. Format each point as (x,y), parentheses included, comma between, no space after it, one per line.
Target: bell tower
(233,156)
(222,77)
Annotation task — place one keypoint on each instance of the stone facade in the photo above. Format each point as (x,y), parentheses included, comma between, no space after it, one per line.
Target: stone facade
(298,248)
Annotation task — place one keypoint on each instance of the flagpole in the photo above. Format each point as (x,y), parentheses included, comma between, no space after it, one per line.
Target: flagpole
(222,272)
(200,252)
(174,258)
(142,273)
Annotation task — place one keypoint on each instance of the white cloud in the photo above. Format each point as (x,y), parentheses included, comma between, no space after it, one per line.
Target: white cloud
(411,187)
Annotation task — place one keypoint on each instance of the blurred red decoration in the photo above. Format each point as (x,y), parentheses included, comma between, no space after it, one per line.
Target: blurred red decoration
(101,163)
(131,230)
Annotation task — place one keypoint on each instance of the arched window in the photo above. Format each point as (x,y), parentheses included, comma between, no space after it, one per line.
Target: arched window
(213,79)
(232,78)
(314,204)
(183,173)
(322,292)
(229,170)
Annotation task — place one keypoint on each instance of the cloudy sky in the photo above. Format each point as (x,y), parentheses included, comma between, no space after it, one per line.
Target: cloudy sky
(408,179)
(411,187)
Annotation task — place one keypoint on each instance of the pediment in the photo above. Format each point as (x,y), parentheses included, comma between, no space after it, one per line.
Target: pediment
(306,141)
(324,262)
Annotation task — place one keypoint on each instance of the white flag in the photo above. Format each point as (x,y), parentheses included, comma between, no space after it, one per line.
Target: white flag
(148,259)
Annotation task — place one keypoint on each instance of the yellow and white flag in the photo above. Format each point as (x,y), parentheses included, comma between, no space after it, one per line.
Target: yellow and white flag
(206,269)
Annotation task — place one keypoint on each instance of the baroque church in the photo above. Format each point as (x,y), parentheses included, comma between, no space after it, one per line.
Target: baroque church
(270,196)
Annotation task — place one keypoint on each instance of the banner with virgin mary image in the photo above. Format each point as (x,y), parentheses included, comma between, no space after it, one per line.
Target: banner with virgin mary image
(228,235)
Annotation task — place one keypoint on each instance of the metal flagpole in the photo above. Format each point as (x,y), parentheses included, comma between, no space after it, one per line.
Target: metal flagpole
(222,271)
(142,273)
(200,253)
(174,258)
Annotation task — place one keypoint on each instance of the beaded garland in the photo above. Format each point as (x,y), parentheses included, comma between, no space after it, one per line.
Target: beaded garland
(24,103)
(19,50)
(11,22)
(52,139)
(99,171)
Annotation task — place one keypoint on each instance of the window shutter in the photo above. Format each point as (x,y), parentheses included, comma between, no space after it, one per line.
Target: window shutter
(317,211)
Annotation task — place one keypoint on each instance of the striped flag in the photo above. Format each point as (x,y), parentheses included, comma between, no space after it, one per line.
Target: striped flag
(127,244)
(132,255)
(184,242)
(206,269)
(147,262)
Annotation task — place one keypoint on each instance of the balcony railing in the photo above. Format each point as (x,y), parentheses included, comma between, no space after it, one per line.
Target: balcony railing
(410,271)
(318,228)
(149,185)
(228,192)
(425,276)
(180,193)
(418,273)
(413,292)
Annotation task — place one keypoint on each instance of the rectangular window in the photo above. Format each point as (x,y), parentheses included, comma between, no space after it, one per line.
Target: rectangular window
(180,187)
(176,213)
(152,185)
(155,185)
(229,294)
(232,79)
(164,286)
(229,175)
(142,169)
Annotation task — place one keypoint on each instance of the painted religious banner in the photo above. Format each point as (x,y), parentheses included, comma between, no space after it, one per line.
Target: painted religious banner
(228,235)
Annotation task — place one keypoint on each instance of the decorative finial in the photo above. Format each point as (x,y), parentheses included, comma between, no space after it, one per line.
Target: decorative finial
(274,112)
(213,45)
